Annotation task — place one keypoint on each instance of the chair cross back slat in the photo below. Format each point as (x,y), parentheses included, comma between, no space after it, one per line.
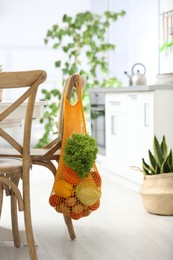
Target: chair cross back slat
(26,78)
(22,98)
(11,141)
(29,81)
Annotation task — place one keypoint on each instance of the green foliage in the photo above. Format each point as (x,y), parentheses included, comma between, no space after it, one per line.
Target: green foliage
(80,153)
(0,67)
(82,39)
(166,45)
(50,116)
(160,161)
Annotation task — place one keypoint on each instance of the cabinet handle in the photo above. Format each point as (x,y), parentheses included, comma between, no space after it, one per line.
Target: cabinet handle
(113,125)
(146,114)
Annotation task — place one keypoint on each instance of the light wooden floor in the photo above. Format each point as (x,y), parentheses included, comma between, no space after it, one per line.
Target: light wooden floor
(120,230)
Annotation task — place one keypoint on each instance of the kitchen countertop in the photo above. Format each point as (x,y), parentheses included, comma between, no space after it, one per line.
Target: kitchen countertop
(132,89)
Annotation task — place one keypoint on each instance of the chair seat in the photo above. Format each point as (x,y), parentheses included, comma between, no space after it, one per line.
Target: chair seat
(38,152)
(35,153)
(10,164)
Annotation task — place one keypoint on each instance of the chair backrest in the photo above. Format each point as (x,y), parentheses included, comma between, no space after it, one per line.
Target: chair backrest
(27,83)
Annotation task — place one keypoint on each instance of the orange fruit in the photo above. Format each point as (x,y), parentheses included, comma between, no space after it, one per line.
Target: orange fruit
(54,200)
(70,176)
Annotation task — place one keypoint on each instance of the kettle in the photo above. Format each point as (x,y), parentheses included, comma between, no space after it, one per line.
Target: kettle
(137,78)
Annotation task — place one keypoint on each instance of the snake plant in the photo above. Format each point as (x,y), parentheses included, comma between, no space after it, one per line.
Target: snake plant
(160,161)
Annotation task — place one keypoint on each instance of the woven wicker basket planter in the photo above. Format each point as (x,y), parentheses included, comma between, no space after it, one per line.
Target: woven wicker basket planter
(157,193)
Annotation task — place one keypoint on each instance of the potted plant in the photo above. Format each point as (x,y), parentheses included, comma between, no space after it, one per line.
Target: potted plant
(157,187)
(81,41)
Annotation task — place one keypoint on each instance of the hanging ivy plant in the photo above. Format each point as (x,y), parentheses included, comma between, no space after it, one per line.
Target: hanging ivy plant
(82,40)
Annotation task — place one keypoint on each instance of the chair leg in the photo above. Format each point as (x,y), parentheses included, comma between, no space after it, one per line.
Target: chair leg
(14,221)
(28,224)
(14,214)
(1,198)
(69,224)
(29,234)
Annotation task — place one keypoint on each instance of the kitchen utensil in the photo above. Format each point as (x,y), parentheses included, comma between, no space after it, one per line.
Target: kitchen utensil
(137,78)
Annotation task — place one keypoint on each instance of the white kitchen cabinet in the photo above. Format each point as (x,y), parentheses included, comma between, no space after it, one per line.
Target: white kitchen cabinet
(132,120)
(115,132)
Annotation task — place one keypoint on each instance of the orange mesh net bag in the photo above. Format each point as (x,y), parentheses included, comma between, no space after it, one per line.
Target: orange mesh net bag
(75,193)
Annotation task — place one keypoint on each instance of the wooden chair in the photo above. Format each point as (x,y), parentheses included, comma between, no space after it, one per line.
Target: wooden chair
(51,153)
(13,170)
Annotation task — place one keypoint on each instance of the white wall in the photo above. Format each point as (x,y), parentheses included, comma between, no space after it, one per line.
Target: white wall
(135,36)
(23,27)
(24,23)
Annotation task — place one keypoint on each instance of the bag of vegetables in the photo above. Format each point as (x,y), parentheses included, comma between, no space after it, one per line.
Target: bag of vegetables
(77,187)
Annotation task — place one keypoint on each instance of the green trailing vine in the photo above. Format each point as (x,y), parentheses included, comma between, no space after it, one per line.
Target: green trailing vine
(50,116)
(82,41)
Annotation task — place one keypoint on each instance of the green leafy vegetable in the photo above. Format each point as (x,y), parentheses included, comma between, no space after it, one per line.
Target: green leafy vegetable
(80,153)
